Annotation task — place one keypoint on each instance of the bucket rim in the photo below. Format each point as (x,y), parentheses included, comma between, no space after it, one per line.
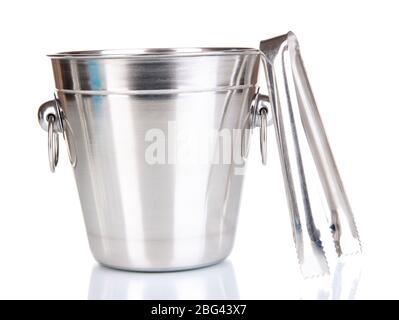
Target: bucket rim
(153,52)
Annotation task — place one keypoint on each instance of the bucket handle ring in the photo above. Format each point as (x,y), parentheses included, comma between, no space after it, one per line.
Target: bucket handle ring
(52,119)
(53,143)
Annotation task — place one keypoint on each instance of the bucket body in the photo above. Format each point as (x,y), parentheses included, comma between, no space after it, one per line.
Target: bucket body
(136,120)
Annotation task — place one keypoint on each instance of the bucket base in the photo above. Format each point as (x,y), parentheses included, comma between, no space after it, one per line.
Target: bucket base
(151,270)
(162,255)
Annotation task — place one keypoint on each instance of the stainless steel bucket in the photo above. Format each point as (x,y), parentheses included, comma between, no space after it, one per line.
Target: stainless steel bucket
(129,116)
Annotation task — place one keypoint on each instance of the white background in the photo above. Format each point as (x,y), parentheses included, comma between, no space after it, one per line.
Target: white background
(351,52)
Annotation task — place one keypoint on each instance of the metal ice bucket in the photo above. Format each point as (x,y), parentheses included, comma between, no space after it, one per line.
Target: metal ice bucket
(130,117)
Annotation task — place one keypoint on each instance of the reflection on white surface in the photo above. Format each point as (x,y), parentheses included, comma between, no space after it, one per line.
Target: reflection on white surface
(215,282)
(341,285)
(346,279)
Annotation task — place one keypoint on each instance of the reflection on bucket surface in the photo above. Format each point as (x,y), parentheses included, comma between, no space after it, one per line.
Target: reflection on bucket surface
(215,282)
